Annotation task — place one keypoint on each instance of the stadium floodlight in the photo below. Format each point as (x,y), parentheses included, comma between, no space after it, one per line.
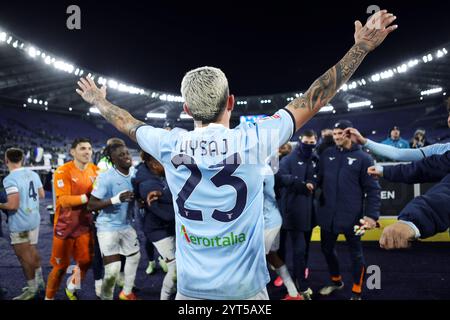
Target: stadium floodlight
(327,108)
(9,40)
(444,50)
(32,52)
(70,108)
(376,77)
(94,110)
(3,36)
(24,105)
(46,103)
(156,115)
(440,54)
(35,101)
(113,84)
(359,104)
(41,102)
(16,44)
(46,108)
(403,68)
(184,115)
(431,91)
(30,100)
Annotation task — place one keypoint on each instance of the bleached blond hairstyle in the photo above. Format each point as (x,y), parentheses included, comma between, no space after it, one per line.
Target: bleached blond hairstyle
(205,91)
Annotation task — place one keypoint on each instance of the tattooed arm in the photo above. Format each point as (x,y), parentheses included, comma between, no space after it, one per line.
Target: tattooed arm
(118,117)
(367,38)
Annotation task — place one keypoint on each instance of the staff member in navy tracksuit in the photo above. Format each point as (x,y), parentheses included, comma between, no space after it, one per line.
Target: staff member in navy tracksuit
(345,186)
(298,179)
(426,215)
(159,221)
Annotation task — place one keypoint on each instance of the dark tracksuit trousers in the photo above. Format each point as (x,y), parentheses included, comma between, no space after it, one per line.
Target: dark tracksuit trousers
(299,241)
(328,244)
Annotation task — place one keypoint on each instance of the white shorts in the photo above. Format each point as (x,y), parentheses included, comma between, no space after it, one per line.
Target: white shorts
(272,239)
(30,236)
(166,248)
(262,295)
(124,242)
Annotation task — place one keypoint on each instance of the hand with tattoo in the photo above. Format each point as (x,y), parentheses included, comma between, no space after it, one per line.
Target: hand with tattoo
(90,92)
(377,28)
(118,117)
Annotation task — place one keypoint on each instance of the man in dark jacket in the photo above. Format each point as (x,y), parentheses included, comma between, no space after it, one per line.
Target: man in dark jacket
(345,186)
(150,186)
(298,179)
(426,215)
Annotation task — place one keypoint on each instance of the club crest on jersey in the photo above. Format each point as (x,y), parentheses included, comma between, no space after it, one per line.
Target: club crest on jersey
(60,183)
(351,160)
(332,158)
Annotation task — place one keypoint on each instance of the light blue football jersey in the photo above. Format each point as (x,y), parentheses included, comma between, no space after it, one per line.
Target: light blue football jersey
(27,184)
(214,174)
(107,185)
(272,216)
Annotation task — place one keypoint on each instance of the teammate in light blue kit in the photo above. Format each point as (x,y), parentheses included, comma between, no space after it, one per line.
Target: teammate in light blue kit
(214,175)
(111,194)
(24,188)
(401,154)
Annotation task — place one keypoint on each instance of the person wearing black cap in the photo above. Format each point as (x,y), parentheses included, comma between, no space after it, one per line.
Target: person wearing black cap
(345,187)
(395,140)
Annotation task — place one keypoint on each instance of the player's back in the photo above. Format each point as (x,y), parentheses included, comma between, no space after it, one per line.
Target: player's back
(214,174)
(27,183)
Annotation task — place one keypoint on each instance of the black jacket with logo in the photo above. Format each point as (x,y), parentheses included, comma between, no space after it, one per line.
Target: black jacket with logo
(348,192)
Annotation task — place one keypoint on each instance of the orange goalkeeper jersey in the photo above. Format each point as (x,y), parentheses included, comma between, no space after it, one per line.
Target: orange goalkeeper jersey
(71,216)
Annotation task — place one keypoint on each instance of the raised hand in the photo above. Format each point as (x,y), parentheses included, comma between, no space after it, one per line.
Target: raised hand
(89,90)
(377,28)
(355,135)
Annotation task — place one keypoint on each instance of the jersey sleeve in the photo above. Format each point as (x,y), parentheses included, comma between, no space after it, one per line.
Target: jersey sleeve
(394,153)
(274,131)
(11,185)
(100,188)
(61,181)
(438,148)
(149,139)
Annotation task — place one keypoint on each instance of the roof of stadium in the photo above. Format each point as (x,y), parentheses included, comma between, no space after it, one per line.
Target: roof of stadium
(33,77)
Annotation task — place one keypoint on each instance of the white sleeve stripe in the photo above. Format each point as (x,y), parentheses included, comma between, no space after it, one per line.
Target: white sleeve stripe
(11,190)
